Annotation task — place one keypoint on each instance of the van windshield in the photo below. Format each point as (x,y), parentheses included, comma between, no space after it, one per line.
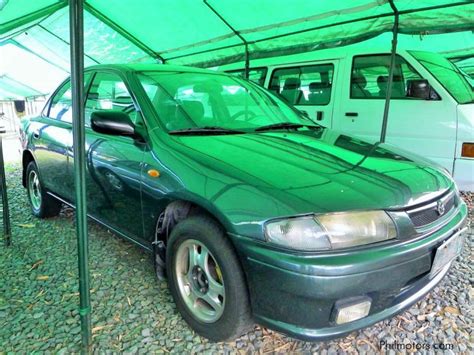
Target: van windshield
(452,79)
(193,100)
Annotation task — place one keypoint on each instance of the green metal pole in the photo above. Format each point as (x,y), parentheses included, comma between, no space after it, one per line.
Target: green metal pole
(76,28)
(6,212)
(393,56)
(237,33)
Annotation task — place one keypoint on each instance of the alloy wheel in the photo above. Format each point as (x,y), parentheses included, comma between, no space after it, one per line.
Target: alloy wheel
(200,281)
(34,190)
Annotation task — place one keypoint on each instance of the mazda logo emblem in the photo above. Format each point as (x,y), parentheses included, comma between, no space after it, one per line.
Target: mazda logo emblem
(440,207)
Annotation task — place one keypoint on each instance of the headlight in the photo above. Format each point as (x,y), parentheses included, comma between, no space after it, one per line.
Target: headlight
(331,231)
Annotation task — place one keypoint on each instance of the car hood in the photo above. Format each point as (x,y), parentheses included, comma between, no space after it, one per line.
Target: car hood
(309,171)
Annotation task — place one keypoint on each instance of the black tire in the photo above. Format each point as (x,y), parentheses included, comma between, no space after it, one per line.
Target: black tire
(236,316)
(47,206)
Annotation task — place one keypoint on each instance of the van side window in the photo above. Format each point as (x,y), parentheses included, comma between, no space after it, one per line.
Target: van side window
(370,76)
(305,85)
(108,92)
(257,75)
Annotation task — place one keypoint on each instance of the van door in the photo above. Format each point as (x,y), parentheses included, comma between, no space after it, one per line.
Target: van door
(309,87)
(414,124)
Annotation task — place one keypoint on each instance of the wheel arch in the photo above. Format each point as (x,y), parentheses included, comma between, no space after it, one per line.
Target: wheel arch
(178,209)
(175,211)
(27,158)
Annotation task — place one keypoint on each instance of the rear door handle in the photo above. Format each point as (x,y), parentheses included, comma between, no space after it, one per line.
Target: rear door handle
(352,114)
(319,115)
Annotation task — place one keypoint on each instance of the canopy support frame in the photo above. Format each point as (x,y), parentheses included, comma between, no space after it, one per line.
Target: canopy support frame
(6,76)
(76,30)
(366,18)
(238,34)
(34,16)
(5,209)
(393,56)
(62,40)
(21,46)
(119,29)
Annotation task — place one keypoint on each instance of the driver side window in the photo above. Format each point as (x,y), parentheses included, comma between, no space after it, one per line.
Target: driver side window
(108,92)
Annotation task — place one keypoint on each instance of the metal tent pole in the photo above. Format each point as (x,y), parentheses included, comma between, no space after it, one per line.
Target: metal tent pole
(3,186)
(117,28)
(237,33)
(76,28)
(393,56)
(304,48)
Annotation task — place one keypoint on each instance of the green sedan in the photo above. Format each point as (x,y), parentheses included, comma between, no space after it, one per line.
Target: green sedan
(254,212)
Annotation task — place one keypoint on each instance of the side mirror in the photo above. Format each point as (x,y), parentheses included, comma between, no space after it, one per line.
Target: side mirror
(421,89)
(115,123)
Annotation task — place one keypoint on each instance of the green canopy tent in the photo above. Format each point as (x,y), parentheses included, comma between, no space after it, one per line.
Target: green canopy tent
(457,46)
(463,58)
(209,33)
(13,89)
(203,33)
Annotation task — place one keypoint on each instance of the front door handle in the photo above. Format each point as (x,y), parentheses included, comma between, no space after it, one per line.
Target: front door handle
(352,114)
(36,134)
(319,115)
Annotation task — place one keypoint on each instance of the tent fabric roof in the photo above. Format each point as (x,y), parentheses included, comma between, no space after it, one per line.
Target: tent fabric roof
(210,32)
(11,89)
(451,45)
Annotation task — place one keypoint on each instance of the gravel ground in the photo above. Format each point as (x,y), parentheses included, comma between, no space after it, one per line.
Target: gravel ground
(134,313)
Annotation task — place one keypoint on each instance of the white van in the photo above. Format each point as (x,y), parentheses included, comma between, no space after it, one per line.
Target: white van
(431,111)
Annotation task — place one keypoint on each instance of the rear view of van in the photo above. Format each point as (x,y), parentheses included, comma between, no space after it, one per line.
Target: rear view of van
(431,110)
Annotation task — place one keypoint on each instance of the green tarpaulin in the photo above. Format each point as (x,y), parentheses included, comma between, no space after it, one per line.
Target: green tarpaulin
(202,33)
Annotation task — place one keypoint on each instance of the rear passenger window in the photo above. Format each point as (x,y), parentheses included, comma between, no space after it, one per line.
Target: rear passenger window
(306,85)
(370,76)
(61,104)
(108,92)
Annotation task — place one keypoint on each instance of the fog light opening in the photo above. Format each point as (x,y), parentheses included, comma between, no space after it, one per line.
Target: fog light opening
(351,309)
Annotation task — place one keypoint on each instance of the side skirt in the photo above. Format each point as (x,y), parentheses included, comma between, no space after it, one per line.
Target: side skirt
(148,248)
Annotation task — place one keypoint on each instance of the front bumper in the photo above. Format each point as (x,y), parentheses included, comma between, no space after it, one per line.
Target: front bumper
(295,293)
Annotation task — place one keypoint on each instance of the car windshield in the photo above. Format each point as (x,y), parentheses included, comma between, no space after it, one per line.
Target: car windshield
(211,101)
(452,79)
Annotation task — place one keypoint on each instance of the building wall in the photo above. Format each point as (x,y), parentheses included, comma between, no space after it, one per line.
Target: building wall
(11,117)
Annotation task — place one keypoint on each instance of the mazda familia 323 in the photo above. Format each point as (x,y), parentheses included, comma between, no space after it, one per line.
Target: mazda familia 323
(253,211)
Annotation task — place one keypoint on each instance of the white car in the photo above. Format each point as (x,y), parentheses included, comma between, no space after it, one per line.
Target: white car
(432,107)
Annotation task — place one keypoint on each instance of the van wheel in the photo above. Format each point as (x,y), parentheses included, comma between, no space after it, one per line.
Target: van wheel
(42,204)
(206,280)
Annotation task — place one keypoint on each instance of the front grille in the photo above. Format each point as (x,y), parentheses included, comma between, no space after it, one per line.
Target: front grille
(433,211)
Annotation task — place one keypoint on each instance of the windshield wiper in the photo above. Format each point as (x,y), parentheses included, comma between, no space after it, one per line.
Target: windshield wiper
(206,130)
(285,125)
